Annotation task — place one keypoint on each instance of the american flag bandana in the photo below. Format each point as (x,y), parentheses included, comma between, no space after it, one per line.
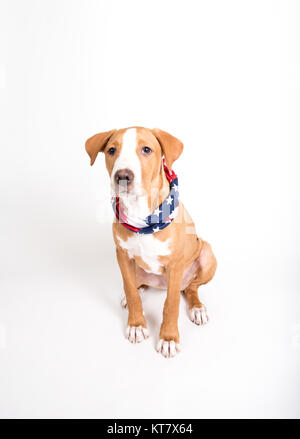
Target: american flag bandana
(161,217)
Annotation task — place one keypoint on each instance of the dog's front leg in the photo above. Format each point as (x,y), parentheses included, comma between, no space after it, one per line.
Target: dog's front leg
(136,328)
(168,344)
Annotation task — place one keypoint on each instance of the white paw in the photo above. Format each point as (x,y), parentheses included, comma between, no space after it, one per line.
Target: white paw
(199,315)
(136,334)
(123,302)
(167,348)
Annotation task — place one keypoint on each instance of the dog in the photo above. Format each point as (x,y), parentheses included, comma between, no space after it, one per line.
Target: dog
(155,237)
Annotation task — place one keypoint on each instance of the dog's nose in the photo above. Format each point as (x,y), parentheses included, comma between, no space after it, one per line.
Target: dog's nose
(124,177)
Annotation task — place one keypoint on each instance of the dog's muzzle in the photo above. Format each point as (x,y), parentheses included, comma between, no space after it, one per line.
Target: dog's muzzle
(124,177)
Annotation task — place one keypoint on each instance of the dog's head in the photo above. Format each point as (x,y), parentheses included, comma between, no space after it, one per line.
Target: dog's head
(133,156)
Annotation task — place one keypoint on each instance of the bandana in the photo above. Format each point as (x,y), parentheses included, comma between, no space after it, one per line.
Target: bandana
(160,217)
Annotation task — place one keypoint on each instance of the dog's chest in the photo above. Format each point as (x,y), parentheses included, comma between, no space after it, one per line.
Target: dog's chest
(148,248)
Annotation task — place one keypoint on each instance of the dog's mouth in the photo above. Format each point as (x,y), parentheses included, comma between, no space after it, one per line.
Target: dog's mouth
(123,188)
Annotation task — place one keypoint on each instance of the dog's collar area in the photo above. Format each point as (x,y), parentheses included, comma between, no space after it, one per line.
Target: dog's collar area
(160,217)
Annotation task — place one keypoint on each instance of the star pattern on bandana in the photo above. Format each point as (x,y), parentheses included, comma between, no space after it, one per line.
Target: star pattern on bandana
(169,200)
(157,212)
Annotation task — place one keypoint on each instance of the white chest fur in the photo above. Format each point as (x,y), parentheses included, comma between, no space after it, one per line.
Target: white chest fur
(148,248)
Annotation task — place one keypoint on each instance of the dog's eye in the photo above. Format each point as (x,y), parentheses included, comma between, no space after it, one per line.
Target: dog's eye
(146,150)
(111,151)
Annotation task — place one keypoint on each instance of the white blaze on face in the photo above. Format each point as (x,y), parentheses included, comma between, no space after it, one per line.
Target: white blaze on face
(128,159)
(134,201)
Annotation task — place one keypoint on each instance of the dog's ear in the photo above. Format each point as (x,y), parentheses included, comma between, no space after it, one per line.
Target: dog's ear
(170,145)
(97,143)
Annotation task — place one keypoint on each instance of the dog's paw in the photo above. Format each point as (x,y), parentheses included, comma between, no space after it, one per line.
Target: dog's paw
(136,334)
(123,302)
(199,315)
(167,348)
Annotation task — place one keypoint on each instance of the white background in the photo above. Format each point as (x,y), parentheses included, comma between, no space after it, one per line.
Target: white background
(223,76)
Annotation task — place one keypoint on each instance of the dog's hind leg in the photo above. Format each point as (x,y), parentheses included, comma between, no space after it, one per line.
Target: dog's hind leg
(197,311)
(206,271)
